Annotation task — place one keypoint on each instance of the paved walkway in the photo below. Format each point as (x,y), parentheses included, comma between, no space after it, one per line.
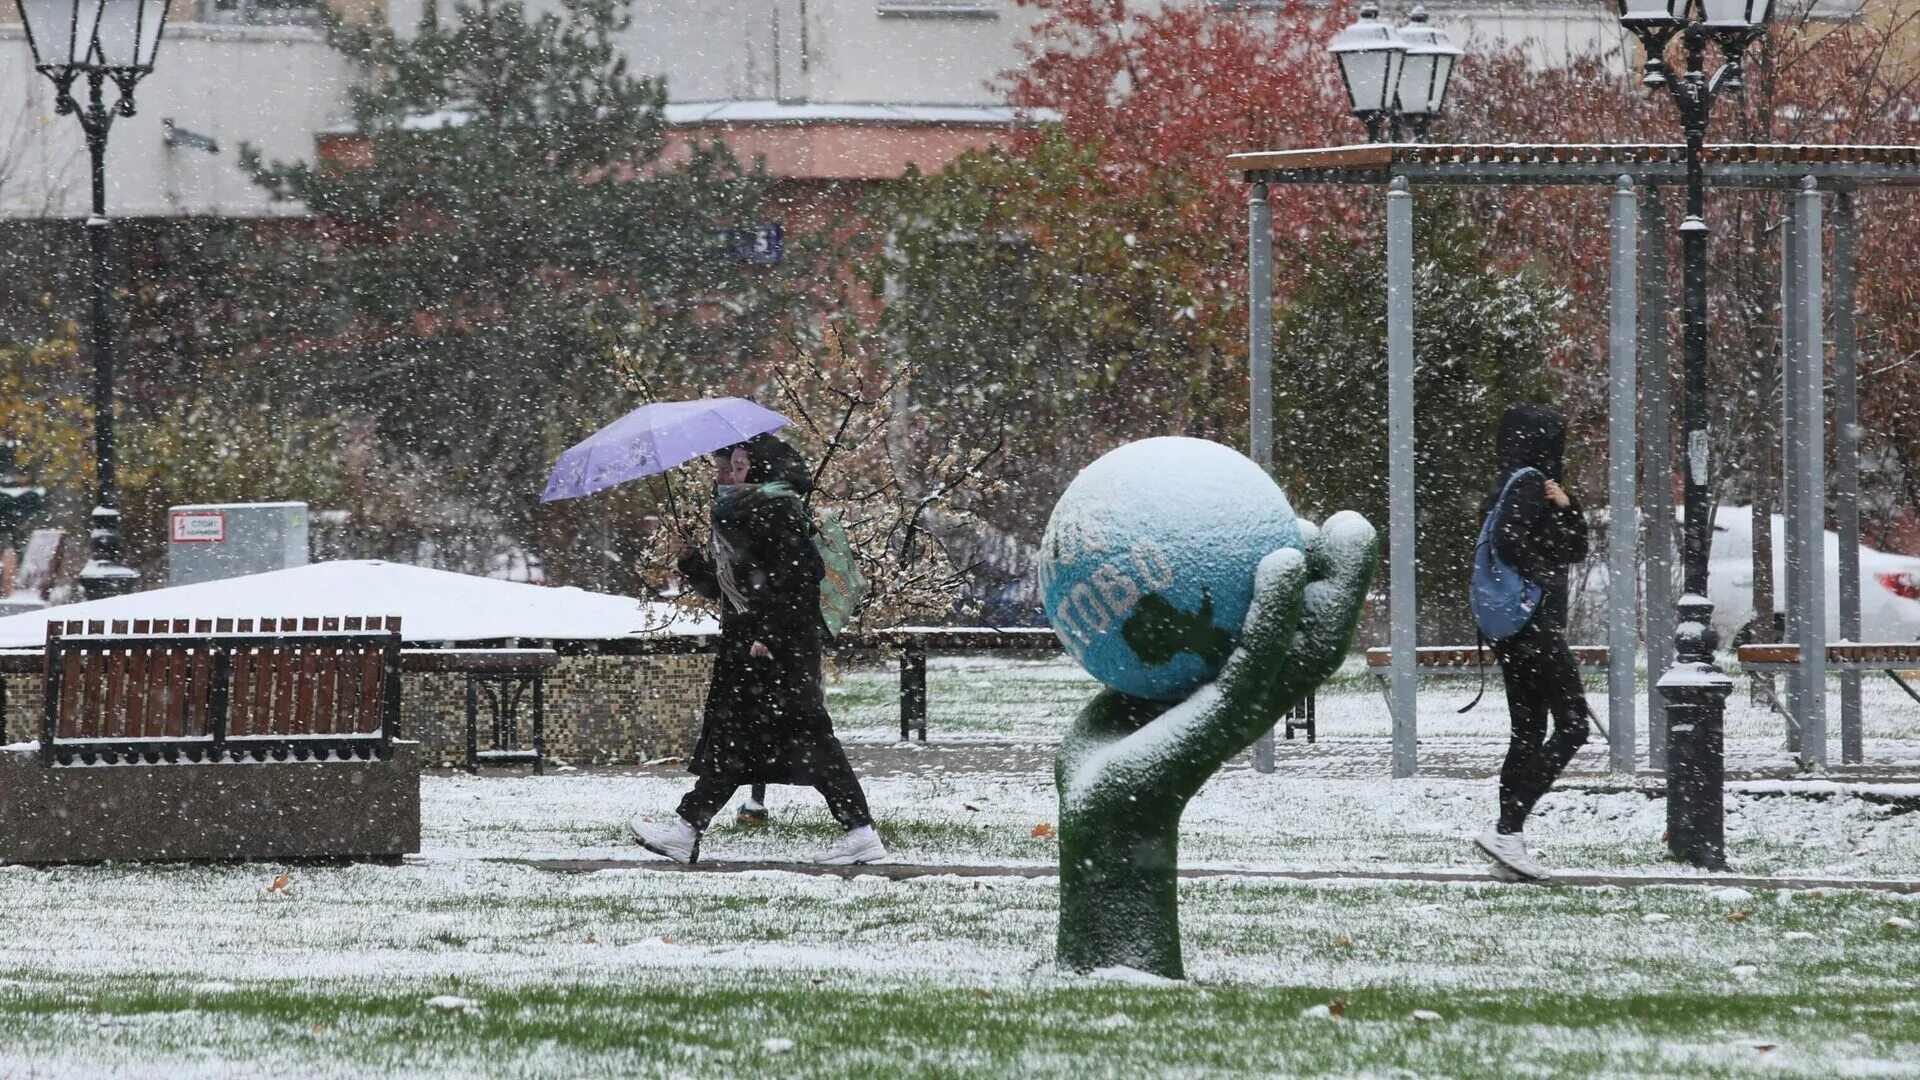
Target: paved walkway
(1330,759)
(907,871)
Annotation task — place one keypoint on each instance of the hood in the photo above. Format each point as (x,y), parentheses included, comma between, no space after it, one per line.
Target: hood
(1531,435)
(774,461)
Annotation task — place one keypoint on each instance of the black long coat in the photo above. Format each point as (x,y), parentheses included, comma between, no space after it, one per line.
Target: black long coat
(766,720)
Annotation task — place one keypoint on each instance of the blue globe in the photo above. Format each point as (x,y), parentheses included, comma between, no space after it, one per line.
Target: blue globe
(1147,565)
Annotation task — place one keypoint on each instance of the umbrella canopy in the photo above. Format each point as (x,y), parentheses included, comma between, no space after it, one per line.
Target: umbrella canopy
(654,438)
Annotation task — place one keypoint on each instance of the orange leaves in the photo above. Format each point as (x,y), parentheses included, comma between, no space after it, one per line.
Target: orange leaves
(280,883)
(1045,831)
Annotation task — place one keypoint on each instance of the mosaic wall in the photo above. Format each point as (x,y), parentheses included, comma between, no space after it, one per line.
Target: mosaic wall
(600,710)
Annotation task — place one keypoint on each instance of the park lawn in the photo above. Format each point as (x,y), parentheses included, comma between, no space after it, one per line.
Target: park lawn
(489,968)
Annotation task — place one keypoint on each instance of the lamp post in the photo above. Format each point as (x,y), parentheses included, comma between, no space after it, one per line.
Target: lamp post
(101,40)
(1396,79)
(1695,688)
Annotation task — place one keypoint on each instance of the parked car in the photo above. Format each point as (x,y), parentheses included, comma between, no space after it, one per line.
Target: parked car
(1889,586)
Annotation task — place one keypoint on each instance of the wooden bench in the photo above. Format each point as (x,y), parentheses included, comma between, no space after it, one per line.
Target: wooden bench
(915,643)
(226,738)
(219,689)
(504,678)
(1465,661)
(1891,658)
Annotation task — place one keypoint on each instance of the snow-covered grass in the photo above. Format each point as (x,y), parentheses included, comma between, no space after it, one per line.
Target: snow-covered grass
(1240,820)
(458,963)
(470,968)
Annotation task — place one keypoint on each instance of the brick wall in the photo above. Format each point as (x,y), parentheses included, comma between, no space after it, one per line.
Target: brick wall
(599,709)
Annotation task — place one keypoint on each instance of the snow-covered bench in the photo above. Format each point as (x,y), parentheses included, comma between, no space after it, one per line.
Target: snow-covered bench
(214,738)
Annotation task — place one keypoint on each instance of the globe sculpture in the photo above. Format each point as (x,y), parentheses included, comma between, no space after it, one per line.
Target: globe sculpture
(1147,564)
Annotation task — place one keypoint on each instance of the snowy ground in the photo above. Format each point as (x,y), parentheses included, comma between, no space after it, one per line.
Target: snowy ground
(459,963)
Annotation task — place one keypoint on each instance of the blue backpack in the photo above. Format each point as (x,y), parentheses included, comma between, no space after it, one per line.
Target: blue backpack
(1502,600)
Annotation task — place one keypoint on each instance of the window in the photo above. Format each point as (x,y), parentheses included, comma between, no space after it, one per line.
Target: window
(260,12)
(938,9)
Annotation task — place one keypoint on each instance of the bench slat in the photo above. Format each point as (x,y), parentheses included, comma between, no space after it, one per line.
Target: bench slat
(372,691)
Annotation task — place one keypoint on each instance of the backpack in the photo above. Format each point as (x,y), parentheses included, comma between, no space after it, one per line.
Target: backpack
(1503,601)
(842,586)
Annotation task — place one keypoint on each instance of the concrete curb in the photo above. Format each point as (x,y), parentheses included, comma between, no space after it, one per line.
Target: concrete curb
(909,871)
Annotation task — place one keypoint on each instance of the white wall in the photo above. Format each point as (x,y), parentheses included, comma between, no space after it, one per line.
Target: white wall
(277,86)
(273,87)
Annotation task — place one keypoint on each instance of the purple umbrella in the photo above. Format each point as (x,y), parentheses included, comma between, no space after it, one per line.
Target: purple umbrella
(654,438)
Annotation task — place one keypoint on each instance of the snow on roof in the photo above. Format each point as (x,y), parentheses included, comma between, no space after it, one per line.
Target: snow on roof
(433,605)
(781,112)
(768,111)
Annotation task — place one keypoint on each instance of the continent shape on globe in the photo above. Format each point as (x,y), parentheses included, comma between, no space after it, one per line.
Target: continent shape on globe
(1146,568)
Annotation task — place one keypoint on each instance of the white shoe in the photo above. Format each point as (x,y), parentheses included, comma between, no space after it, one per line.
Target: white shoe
(677,840)
(1503,873)
(1509,851)
(861,845)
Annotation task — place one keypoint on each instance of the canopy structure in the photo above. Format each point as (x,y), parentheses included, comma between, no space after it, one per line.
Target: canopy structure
(1818,186)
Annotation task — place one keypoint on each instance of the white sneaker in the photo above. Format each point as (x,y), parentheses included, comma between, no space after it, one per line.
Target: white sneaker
(1503,873)
(1509,850)
(861,845)
(677,840)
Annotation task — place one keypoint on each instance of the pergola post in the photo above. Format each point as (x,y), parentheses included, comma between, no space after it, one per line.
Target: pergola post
(1846,465)
(1401,614)
(1792,320)
(1812,530)
(1656,488)
(1260,368)
(1623,525)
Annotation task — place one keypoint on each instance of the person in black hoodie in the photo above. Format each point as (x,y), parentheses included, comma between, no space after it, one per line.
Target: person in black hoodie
(766,720)
(1540,533)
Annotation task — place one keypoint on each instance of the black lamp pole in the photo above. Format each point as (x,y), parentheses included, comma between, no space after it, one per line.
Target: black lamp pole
(105,574)
(1695,688)
(101,40)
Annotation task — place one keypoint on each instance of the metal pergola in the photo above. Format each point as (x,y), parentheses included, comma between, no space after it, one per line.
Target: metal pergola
(1639,395)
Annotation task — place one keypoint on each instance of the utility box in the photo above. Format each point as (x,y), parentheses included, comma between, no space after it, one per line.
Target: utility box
(227,540)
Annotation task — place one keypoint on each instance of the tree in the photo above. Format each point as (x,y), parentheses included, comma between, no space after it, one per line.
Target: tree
(1482,336)
(508,216)
(1086,283)
(896,488)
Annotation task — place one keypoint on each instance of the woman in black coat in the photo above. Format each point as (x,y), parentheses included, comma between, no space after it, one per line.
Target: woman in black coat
(1540,533)
(766,719)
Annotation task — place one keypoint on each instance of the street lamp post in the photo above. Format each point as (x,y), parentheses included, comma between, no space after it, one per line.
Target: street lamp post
(102,41)
(1396,79)
(1695,688)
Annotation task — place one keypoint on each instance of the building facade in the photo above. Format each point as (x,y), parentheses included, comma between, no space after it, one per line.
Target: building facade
(823,89)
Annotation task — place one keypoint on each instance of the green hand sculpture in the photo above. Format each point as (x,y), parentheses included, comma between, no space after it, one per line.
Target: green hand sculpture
(1128,765)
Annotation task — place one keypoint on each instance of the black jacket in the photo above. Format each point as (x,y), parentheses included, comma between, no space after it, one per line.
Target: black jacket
(1535,537)
(765,719)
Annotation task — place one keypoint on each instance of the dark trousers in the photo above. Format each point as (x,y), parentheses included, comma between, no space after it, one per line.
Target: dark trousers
(834,781)
(1541,679)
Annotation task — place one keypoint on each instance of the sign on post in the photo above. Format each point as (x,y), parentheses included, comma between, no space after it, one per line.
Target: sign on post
(199,527)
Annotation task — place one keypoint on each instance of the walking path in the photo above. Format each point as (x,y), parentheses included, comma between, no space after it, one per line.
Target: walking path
(1463,759)
(907,871)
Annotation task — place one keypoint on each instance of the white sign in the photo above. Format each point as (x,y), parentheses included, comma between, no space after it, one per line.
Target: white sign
(199,527)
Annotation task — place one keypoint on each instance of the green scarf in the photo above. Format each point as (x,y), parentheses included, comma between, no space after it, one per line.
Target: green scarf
(728,501)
